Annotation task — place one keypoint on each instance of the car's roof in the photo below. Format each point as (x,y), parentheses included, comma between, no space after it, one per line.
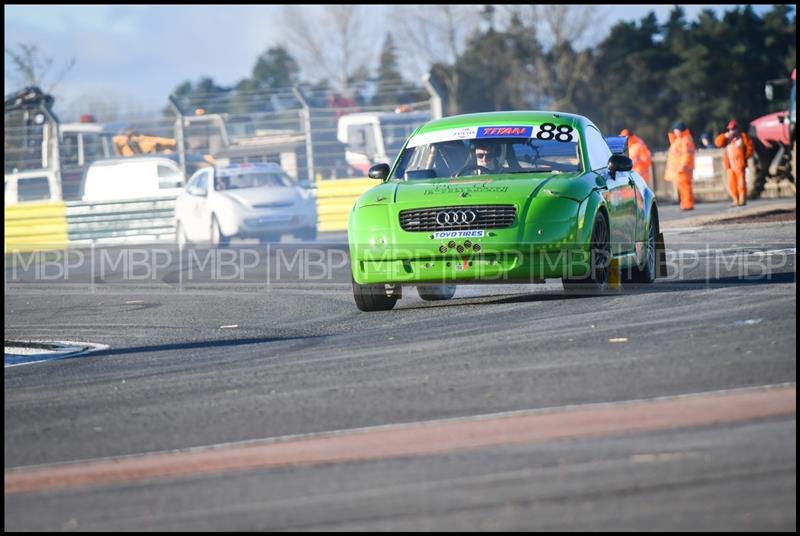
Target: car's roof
(249,167)
(135,159)
(502,118)
(81,127)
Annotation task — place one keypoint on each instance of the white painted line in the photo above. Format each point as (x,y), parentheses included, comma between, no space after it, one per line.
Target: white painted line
(70,349)
(732,252)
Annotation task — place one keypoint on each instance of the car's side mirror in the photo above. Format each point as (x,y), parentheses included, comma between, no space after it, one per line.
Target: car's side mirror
(619,162)
(617,144)
(379,171)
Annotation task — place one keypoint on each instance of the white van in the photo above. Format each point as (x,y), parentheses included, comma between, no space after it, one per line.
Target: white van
(35,186)
(132,178)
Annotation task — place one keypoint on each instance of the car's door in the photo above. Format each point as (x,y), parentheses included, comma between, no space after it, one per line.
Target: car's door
(191,206)
(184,202)
(624,193)
(620,194)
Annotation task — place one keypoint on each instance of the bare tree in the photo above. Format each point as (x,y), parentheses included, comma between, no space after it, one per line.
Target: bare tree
(32,66)
(562,65)
(338,53)
(557,24)
(436,34)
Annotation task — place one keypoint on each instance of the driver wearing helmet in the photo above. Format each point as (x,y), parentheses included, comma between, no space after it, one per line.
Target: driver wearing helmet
(487,154)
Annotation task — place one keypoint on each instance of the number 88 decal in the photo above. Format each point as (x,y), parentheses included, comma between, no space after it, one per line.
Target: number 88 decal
(548,131)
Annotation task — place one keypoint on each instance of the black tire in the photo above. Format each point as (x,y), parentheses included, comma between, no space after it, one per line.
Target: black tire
(760,170)
(436,292)
(308,234)
(600,258)
(270,239)
(180,235)
(217,236)
(375,297)
(647,273)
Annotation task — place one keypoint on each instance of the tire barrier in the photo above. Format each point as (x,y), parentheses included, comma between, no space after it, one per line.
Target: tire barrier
(335,199)
(35,227)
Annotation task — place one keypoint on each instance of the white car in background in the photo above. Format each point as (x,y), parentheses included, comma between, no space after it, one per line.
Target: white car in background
(256,200)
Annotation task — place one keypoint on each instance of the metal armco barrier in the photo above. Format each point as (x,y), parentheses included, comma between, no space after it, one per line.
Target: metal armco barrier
(121,221)
(710,181)
(35,227)
(335,199)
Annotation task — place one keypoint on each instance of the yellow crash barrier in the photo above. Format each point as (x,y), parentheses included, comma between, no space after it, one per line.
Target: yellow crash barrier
(335,199)
(35,227)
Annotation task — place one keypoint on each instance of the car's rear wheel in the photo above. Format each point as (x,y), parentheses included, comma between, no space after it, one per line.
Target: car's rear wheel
(436,292)
(273,238)
(375,297)
(600,258)
(647,273)
(308,234)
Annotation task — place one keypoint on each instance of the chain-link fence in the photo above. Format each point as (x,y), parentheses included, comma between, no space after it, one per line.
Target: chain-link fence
(312,133)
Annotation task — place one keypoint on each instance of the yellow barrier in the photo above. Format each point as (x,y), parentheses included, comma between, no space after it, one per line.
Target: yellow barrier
(35,226)
(335,199)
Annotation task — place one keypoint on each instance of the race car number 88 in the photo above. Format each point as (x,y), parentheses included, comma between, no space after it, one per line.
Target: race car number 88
(549,131)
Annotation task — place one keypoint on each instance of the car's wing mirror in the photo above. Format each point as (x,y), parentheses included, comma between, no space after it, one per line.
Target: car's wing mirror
(619,162)
(379,171)
(617,144)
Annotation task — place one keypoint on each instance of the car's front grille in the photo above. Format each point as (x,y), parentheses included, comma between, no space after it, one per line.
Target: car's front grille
(458,218)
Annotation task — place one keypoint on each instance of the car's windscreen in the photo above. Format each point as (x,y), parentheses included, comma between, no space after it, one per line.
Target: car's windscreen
(234,181)
(551,152)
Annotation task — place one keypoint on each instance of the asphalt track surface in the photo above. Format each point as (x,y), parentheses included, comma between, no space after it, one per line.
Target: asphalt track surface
(248,354)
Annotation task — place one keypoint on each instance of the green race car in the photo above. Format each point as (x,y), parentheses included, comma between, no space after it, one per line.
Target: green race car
(502,197)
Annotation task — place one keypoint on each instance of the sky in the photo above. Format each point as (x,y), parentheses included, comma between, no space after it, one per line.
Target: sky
(133,56)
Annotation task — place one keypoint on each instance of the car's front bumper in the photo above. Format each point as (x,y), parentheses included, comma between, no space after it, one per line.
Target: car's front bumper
(512,264)
(262,225)
(546,241)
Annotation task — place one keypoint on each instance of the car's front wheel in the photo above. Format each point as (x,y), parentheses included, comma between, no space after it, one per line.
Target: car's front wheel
(217,237)
(436,292)
(180,235)
(375,297)
(600,259)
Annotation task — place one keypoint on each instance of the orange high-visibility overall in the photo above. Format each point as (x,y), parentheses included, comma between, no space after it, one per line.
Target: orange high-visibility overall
(737,150)
(640,154)
(680,166)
